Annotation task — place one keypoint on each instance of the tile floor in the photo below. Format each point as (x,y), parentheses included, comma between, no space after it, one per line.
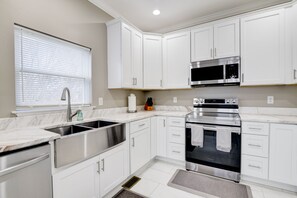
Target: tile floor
(154,181)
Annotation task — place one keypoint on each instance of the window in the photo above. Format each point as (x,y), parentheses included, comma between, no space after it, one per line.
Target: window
(44,65)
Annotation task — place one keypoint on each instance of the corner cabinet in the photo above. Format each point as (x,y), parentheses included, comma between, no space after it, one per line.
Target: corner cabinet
(124,47)
(263,48)
(176,60)
(152,62)
(215,40)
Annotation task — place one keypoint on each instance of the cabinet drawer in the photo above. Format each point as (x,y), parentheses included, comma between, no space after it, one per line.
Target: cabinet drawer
(255,145)
(254,166)
(256,128)
(139,125)
(179,122)
(176,151)
(176,135)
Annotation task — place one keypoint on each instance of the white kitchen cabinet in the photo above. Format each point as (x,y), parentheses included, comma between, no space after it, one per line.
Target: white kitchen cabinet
(215,40)
(291,44)
(139,149)
(81,180)
(113,168)
(154,132)
(283,154)
(176,60)
(161,136)
(262,48)
(125,67)
(152,62)
(294,42)
(202,43)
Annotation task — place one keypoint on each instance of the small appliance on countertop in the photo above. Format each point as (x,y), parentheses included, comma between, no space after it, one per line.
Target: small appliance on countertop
(213,138)
(132,104)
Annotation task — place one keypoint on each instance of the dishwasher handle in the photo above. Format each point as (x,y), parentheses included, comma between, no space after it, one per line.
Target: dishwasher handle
(23,165)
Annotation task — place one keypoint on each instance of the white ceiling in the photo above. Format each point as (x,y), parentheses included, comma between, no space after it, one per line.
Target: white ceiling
(177,14)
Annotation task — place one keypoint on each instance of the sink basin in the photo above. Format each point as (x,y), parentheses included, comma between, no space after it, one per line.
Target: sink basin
(97,124)
(68,130)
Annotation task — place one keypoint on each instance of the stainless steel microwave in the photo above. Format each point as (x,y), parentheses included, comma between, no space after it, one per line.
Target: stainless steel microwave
(225,71)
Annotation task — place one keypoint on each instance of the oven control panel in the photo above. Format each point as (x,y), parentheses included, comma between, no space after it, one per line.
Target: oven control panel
(225,101)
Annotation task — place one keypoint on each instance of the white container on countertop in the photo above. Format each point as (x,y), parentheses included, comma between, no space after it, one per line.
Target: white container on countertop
(132,103)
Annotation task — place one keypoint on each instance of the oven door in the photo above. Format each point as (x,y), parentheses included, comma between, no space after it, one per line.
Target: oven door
(207,75)
(208,155)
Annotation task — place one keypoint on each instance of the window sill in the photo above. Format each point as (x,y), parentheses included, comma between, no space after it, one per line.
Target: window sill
(46,110)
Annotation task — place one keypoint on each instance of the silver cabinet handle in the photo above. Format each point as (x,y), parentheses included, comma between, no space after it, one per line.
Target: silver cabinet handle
(23,165)
(295,74)
(255,145)
(211,53)
(253,128)
(102,165)
(176,122)
(242,77)
(253,166)
(177,135)
(164,123)
(141,125)
(188,81)
(161,83)
(133,142)
(175,151)
(98,170)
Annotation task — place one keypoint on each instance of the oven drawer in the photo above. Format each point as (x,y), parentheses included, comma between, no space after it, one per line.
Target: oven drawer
(255,145)
(176,135)
(254,166)
(178,122)
(176,151)
(139,125)
(256,128)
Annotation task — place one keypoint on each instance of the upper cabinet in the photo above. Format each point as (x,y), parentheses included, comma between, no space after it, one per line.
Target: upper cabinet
(262,48)
(215,40)
(176,60)
(152,62)
(125,69)
(294,42)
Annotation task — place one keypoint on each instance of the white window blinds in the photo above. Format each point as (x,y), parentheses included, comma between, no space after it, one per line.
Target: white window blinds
(44,65)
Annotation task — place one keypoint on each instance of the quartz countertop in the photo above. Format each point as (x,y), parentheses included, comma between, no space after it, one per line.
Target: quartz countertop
(24,137)
(278,119)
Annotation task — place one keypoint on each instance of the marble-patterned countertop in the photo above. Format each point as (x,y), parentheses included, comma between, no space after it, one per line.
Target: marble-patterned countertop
(279,119)
(24,137)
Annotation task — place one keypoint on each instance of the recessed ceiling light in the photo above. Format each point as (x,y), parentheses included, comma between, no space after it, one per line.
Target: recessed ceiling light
(156,12)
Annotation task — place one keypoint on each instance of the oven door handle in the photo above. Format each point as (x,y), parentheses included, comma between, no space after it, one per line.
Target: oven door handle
(213,128)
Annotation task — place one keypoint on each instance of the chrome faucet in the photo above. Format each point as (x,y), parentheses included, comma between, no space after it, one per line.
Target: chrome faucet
(69,115)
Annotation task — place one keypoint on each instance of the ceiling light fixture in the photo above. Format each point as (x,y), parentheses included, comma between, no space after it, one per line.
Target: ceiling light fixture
(156,12)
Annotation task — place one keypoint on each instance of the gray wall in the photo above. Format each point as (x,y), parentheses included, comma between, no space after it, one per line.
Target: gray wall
(76,20)
(284,96)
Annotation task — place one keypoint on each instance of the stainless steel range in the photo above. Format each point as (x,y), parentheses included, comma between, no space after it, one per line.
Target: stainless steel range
(213,138)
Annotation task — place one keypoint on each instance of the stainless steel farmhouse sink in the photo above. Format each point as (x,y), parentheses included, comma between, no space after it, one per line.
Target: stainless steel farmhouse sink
(82,141)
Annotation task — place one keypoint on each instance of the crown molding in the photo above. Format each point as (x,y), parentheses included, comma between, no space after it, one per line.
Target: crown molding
(106,8)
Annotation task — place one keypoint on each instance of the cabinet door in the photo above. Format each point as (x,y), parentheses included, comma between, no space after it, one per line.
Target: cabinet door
(154,132)
(78,181)
(137,59)
(202,43)
(161,136)
(226,39)
(283,152)
(127,61)
(177,60)
(113,169)
(152,60)
(262,49)
(294,42)
(140,149)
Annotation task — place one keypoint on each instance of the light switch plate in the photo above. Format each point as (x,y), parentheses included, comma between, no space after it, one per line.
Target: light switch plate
(270,100)
(100,101)
(174,99)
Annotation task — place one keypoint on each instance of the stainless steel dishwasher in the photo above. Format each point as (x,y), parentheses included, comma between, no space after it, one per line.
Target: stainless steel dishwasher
(26,173)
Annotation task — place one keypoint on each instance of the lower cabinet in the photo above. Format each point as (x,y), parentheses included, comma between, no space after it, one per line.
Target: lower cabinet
(283,154)
(139,149)
(93,178)
(161,136)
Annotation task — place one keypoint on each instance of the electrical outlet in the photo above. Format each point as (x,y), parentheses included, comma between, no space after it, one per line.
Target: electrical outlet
(174,99)
(100,101)
(270,99)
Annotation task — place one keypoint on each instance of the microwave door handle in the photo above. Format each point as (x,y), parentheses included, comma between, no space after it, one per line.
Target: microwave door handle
(224,72)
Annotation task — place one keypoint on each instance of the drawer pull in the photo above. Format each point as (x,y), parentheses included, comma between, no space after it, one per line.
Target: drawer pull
(141,125)
(177,135)
(253,128)
(133,142)
(176,122)
(255,145)
(253,166)
(175,151)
